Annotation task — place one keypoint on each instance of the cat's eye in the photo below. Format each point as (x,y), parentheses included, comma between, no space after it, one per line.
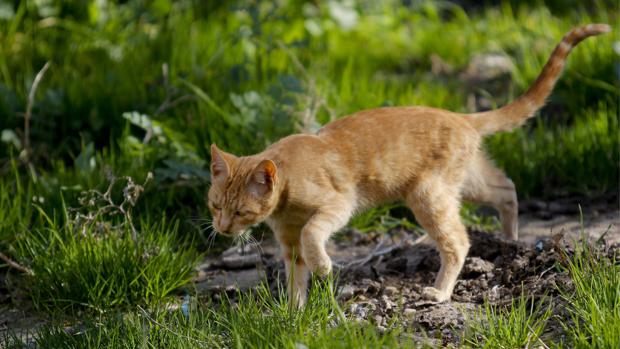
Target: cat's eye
(216,207)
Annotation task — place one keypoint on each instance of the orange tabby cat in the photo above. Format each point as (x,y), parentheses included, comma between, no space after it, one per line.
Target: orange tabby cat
(306,187)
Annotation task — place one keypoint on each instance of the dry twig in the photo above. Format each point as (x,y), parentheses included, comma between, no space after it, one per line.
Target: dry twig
(169,102)
(101,204)
(31,95)
(15,265)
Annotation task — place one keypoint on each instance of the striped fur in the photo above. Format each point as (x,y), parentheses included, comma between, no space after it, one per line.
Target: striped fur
(515,114)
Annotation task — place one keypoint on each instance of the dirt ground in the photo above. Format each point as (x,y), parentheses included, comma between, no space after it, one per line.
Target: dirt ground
(381,275)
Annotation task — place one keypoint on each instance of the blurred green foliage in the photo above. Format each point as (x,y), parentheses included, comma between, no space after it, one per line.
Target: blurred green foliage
(244,73)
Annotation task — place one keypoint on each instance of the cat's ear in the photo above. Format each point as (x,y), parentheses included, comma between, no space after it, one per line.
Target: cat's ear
(263,178)
(220,164)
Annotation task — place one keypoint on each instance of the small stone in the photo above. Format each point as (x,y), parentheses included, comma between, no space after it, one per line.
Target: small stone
(386,303)
(539,246)
(241,279)
(489,66)
(371,286)
(390,291)
(360,312)
(238,261)
(563,208)
(372,305)
(519,263)
(346,292)
(200,276)
(378,319)
(494,294)
(477,265)
(409,312)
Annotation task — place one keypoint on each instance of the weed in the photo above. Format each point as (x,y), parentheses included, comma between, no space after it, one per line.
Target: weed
(516,326)
(593,301)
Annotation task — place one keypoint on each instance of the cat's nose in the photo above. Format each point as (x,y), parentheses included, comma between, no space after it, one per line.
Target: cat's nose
(224,226)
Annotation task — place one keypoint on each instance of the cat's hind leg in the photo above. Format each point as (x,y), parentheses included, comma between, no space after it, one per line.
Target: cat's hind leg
(436,207)
(486,184)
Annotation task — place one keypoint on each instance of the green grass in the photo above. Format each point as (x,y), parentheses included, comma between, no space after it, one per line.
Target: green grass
(102,267)
(593,302)
(519,325)
(589,316)
(17,202)
(562,157)
(235,70)
(255,320)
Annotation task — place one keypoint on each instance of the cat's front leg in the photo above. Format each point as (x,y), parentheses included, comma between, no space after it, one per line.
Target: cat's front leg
(297,275)
(315,234)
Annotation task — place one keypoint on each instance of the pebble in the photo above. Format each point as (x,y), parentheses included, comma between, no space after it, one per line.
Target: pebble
(390,291)
(386,303)
(409,312)
(371,286)
(477,265)
(346,292)
(519,263)
(237,261)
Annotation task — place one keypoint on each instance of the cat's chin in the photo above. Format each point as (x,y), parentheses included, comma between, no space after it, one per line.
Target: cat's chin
(230,234)
(235,234)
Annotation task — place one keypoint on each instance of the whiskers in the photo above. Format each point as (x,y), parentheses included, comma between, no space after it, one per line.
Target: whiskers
(206,225)
(242,241)
(247,239)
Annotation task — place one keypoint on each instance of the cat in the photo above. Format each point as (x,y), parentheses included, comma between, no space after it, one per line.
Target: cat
(306,187)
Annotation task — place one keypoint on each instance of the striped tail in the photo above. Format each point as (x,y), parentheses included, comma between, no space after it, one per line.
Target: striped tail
(516,113)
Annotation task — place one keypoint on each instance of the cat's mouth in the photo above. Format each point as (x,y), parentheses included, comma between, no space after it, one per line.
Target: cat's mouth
(229,233)
(233,234)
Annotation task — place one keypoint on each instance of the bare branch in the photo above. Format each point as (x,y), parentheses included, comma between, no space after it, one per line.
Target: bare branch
(15,265)
(168,102)
(31,95)
(98,204)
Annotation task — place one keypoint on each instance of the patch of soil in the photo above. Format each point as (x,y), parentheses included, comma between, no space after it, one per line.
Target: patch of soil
(390,283)
(571,216)
(381,276)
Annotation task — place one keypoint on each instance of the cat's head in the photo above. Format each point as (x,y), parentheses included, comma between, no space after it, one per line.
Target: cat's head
(242,191)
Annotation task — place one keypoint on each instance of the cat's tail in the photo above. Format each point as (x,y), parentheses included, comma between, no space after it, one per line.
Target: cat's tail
(516,113)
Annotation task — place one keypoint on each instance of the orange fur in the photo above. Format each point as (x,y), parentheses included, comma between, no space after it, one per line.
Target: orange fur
(306,187)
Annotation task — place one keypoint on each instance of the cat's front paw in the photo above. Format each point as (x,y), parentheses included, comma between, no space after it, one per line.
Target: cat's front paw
(320,266)
(435,295)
